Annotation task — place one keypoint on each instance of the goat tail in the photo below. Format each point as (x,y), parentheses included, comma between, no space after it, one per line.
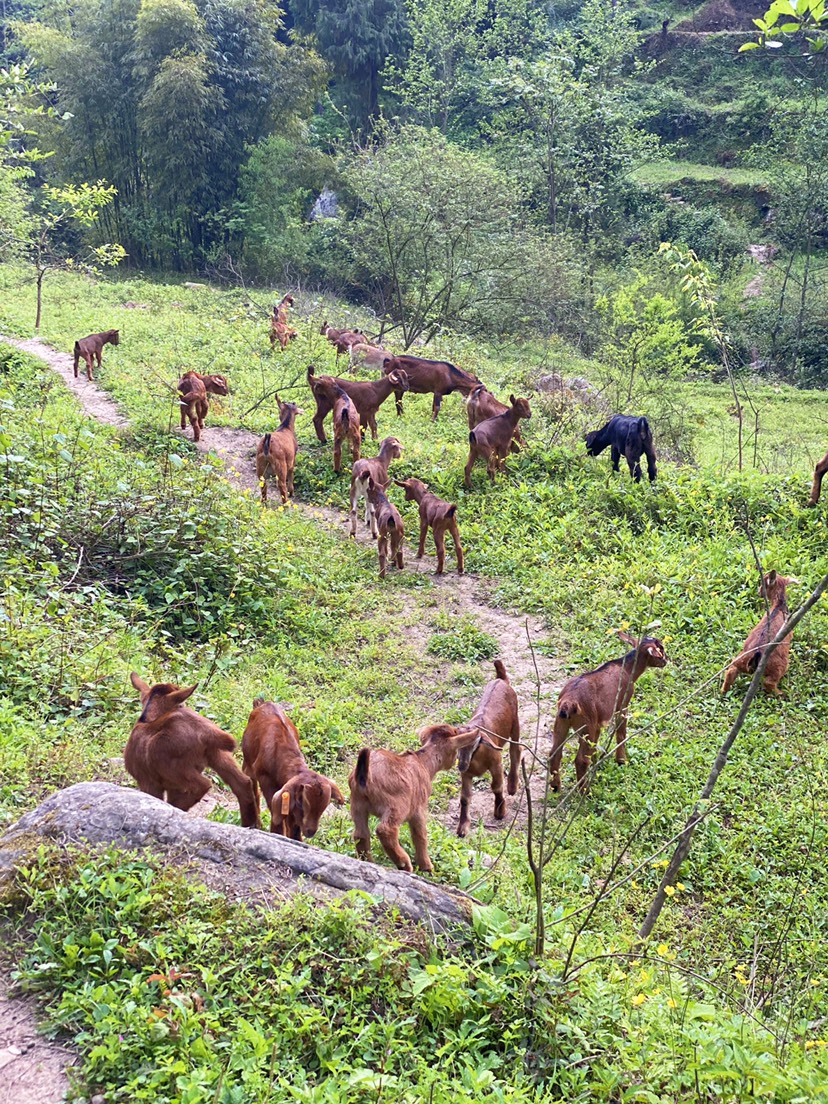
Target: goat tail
(500,670)
(644,429)
(266,444)
(472,438)
(76,350)
(567,708)
(361,771)
(219,742)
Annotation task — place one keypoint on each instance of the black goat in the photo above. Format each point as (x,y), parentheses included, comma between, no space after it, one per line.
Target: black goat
(628,437)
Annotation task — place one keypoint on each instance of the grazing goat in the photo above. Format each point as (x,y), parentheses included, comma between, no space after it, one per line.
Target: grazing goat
(366,396)
(628,437)
(492,438)
(372,356)
(376,469)
(171,745)
(588,702)
(816,487)
(91,349)
(396,788)
(389,527)
(279,329)
(426,377)
(440,515)
(497,722)
(773,589)
(296,796)
(346,424)
(481,404)
(342,340)
(277,451)
(193,389)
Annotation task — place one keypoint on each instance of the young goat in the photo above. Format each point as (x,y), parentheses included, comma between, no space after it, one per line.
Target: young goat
(345,416)
(426,377)
(193,389)
(342,340)
(773,589)
(389,527)
(277,451)
(91,349)
(171,745)
(627,437)
(588,702)
(396,788)
(492,438)
(372,356)
(296,796)
(367,397)
(440,515)
(481,404)
(497,722)
(376,469)
(816,486)
(279,329)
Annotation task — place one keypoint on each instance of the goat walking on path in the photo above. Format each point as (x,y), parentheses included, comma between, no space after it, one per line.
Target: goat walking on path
(389,527)
(90,348)
(365,470)
(277,452)
(773,588)
(440,515)
(193,388)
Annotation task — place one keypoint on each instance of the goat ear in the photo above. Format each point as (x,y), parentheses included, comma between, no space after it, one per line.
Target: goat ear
(139,683)
(512,400)
(654,651)
(336,794)
(625,636)
(770,578)
(181,695)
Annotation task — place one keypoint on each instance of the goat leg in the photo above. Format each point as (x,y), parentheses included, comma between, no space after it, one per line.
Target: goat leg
(227,769)
(389,836)
(419,837)
(465,796)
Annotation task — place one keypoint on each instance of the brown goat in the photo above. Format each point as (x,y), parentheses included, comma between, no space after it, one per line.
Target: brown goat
(277,451)
(279,329)
(425,377)
(440,515)
(171,745)
(296,796)
(342,340)
(91,349)
(193,388)
(816,486)
(372,356)
(376,469)
(481,404)
(773,588)
(492,438)
(346,424)
(367,397)
(389,527)
(496,718)
(588,702)
(396,788)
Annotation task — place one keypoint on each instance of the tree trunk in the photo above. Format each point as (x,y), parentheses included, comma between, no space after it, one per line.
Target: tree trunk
(41,273)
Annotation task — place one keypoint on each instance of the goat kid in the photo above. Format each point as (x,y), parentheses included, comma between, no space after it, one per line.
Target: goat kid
(346,425)
(482,404)
(389,526)
(426,377)
(396,788)
(342,340)
(438,514)
(279,329)
(492,438)
(376,469)
(773,589)
(819,474)
(193,388)
(171,745)
(497,722)
(628,437)
(277,452)
(590,701)
(367,397)
(296,796)
(91,349)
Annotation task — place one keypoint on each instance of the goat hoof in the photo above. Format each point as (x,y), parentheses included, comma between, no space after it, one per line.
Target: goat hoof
(462,831)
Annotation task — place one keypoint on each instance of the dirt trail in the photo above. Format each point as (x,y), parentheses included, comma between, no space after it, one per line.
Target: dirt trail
(32,1069)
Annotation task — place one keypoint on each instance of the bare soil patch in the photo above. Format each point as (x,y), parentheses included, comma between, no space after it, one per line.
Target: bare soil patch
(32,1069)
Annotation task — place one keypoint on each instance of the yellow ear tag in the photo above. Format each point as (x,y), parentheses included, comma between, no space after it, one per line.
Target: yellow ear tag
(285,804)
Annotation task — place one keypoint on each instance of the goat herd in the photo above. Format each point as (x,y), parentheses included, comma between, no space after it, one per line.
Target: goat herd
(171,745)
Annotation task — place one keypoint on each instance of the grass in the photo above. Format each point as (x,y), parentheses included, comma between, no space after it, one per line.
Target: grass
(663,174)
(270,602)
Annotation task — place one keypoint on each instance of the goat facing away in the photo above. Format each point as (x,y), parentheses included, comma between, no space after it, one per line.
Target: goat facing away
(170,747)
(496,719)
(346,425)
(628,437)
(396,788)
(367,397)
(590,701)
(296,796)
(277,451)
(440,515)
(91,349)
(376,469)
(279,329)
(491,440)
(773,588)
(426,377)
(482,404)
(389,526)
(193,388)
(816,486)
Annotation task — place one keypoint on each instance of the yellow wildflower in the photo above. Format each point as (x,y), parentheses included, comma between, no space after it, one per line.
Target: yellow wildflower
(638,1000)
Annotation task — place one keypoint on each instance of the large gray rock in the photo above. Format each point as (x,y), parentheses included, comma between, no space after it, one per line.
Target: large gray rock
(242,862)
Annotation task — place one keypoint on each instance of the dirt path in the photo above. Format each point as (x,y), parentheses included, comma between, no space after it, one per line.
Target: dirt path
(32,1069)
